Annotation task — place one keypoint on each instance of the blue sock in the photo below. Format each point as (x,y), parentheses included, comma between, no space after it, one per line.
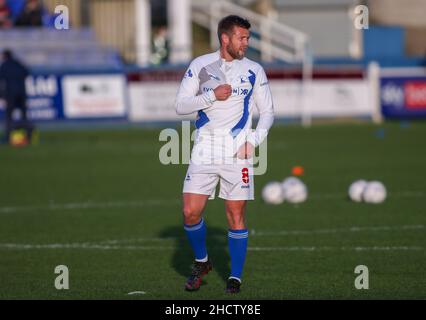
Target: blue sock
(197,237)
(237,250)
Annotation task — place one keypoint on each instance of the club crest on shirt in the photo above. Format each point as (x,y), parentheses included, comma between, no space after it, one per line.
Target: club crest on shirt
(243,79)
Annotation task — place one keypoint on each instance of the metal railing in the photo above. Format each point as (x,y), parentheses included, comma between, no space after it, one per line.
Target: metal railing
(274,40)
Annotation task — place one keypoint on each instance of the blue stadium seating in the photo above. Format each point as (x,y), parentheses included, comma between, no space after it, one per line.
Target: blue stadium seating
(51,48)
(384,42)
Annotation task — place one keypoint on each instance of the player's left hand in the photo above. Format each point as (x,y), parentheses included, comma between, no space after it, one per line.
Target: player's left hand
(246,151)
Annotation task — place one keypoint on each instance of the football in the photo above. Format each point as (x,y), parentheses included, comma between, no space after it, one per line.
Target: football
(272,193)
(375,192)
(356,190)
(294,190)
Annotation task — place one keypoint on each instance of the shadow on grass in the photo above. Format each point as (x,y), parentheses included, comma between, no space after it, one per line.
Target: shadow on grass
(183,257)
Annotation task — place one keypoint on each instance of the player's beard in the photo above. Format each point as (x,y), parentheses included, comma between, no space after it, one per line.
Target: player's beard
(234,53)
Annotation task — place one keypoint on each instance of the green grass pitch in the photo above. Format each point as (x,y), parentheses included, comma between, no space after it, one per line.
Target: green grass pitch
(101,203)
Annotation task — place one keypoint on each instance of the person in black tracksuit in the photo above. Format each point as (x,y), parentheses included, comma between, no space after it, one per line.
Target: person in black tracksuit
(12,82)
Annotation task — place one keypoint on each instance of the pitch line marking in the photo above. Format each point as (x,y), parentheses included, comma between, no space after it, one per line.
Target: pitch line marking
(255,233)
(90,205)
(162,248)
(374,248)
(115,244)
(331,231)
(168,202)
(400,194)
(136,292)
(17,246)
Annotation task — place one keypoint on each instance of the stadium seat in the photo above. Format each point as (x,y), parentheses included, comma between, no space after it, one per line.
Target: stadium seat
(44,47)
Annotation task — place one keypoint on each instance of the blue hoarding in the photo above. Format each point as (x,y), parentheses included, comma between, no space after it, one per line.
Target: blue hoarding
(76,96)
(403,97)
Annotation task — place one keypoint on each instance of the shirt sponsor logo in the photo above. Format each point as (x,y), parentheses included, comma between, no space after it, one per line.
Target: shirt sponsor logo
(235,91)
(240,91)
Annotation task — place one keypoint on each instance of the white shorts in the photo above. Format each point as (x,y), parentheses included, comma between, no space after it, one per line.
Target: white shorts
(236,180)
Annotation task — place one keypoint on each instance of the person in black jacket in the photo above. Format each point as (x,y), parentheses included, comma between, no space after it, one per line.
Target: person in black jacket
(12,82)
(31,15)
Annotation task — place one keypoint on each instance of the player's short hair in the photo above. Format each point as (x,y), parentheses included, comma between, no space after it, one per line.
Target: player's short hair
(227,24)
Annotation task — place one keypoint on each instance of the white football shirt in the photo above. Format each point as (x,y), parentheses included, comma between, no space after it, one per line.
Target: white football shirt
(231,118)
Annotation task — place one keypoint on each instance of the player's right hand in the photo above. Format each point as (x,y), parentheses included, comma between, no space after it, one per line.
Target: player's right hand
(223,92)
